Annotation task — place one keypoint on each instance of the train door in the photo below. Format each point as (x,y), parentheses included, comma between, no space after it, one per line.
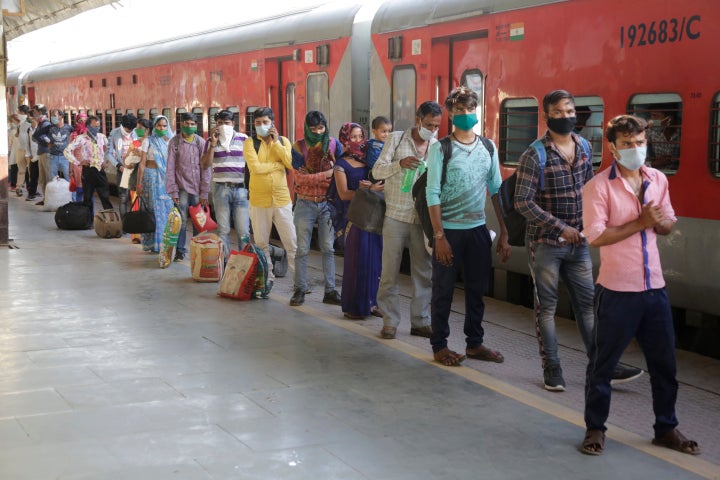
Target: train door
(466,64)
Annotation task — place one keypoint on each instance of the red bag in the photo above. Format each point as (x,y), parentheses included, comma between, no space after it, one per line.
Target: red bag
(238,281)
(200,216)
(73,184)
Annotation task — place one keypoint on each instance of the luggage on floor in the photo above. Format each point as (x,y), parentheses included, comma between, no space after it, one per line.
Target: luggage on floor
(200,216)
(262,283)
(238,280)
(170,238)
(108,224)
(278,255)
(57,193)
(140,220)
(206,257)
(73,216)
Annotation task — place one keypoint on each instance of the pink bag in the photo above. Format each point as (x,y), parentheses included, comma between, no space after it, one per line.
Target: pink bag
(200,216)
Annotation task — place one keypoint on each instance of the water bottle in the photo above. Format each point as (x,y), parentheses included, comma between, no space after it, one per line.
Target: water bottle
(409,178)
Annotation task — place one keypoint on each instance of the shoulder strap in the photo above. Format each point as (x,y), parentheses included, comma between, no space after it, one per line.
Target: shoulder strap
(488,145)
(256,143)
(539,147)
(446,146)
(585,146)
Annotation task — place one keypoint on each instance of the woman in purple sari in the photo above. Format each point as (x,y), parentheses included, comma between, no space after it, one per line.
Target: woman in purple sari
(363,250)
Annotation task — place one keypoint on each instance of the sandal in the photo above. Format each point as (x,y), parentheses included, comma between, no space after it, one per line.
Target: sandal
(485,354)
(448,358)
(375,312)
(352,316)
(677,441)
(594,442)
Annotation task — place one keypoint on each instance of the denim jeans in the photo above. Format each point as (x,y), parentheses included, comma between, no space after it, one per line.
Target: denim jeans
(396,236)
(231,200)
(305,215)
(548,264)
(185,199)
(58,164)
(123,199)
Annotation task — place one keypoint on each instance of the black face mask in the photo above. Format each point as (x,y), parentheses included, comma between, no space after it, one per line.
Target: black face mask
(562,126)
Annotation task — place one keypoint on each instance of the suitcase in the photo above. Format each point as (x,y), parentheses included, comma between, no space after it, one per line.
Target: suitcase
(238,280)
(207,259)
(107,224)
(73,216)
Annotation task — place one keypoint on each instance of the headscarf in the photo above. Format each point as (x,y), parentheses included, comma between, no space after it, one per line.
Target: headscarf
(160,146)
(80,126)
(312,139)
(352,148)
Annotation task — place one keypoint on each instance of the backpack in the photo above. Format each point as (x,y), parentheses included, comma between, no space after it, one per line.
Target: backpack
(420,185)
(515,222)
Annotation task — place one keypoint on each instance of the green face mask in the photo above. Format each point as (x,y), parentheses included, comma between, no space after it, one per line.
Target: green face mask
(187,131)
(140,132)
(160,133)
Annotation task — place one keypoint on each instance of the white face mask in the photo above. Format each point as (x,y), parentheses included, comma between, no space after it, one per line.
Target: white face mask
(226,132)
(632,158)
(22,118)
(263,130)
(426,134)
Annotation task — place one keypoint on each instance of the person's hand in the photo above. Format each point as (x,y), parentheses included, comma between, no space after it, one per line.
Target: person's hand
(410,163)
(651,215)
(204,202)
(273,134)
(214,135)
(139,188)
(176,200)
(503,248)
(572,236)
(378,186)
(365,184)
(443,251)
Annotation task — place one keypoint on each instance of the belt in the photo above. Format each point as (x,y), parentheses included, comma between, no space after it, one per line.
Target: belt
(231,184)
(311,198)
(150,164)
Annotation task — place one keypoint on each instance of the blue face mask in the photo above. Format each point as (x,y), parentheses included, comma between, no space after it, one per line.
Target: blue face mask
(632,158)
(263,130)
(54,120)
(465,121)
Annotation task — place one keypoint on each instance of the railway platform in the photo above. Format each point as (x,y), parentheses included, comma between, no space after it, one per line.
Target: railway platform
(115,369)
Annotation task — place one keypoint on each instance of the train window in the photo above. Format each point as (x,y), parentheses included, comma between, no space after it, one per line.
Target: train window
(178,118)
(167,113)
(318,93)
(104,82)
(66,118)
(129,111)
(473,79)
(290,112)
(590,112)
(211,117)
(118,80)
(714,156)
(249,122)
(404,87)
(118,118)
(98,114)
(141,113)
(134,79)
(518,128)
(200,119)
(236,117)
(108,121)
(663,111)
(73,116)
(91,84)
(154,112)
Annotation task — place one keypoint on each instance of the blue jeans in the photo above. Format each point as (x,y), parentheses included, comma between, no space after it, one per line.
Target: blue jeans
(548,264)
(396,236)
(305,216)
(620,317)
(227,200)
(58,163)
(185,199)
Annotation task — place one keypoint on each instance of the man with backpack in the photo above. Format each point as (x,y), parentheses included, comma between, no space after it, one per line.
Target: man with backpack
(403,156)
(187,181)
(224,153)
(550,199)
(457,189)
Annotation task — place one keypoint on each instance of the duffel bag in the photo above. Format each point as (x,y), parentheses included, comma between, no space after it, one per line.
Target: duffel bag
(140,220)
(73,216)
(107,224)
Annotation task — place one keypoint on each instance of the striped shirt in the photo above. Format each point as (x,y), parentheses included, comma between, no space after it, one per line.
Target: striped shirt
(548,212)
(399,205)
(229,166)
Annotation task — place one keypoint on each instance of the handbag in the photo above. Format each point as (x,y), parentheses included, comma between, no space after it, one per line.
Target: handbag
(367,210)
(140,220)
(200,217)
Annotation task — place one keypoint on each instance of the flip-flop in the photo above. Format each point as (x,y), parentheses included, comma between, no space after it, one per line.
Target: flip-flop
(448,358)
(677,441)
(485,354)
(594,442)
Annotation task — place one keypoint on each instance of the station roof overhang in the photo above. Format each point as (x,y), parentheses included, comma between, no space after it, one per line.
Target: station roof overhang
(25,16)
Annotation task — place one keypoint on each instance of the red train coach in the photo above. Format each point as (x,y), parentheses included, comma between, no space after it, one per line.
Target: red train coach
(644,57)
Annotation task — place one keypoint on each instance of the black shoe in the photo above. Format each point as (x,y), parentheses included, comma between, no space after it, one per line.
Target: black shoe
(298,298)
(425,331)
(553,377)
(179,257)
(30,198)
(332,298)
(624,374)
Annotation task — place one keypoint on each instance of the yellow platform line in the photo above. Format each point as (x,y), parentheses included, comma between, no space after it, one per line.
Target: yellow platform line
(689,463)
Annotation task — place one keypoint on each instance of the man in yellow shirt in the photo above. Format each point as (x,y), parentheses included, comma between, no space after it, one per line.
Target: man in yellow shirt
(270,201)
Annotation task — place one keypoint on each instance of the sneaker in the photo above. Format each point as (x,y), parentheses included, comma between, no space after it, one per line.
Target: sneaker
(624,374)
(332,298)
(554,381)
(179,257)
(31,198)
(298,298)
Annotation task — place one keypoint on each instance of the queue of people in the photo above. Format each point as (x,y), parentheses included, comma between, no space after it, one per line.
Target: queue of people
(627,206)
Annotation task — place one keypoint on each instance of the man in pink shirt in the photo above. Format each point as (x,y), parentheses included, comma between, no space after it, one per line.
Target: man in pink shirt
(626,207)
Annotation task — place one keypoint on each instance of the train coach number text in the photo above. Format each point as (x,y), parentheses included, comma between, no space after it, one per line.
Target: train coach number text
(659,32)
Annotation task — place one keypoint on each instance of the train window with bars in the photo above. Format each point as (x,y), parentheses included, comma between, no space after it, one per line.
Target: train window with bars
(249,122)
(154,112)
(663,111)
(290,112)
(714,154)
(212,111)
(178,118)
(236,118)
(318,93)
(73,116)
(518,128)
(141,113)
(118,118)
(130,111)
(108,121)
(98,114)
(404,88)
(167,113)
(199,116)
(590,122)
(473,79)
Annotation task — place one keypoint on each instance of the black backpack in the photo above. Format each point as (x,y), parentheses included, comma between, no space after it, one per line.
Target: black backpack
(420,185)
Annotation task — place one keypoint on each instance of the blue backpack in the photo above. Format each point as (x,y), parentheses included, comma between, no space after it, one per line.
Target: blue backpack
(514,221)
